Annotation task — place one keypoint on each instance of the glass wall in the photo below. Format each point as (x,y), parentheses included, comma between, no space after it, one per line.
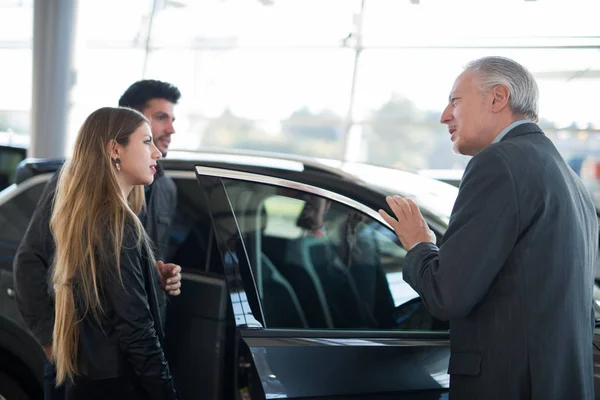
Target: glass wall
(358,80)
(16,34)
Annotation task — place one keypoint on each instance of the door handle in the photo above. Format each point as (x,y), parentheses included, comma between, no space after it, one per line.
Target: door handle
(10,292)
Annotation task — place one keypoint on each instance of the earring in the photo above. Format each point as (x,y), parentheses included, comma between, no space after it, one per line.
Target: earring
(117,162)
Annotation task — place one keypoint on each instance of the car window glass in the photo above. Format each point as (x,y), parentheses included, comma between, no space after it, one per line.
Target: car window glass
(14,219)
(321,264)
(190,233)
(281,210)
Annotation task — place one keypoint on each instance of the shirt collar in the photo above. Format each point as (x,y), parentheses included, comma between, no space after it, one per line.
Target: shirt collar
(508,129)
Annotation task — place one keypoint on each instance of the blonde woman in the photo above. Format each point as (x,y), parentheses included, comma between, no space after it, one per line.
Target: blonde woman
(108,330)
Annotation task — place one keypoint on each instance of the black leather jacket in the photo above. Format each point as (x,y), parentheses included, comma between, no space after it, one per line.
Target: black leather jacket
(126,340)
(36,252)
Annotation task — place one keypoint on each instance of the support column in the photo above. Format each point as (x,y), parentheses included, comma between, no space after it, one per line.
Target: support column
(53,38)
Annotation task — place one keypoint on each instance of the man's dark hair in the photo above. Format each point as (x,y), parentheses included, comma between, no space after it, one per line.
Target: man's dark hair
(141,92)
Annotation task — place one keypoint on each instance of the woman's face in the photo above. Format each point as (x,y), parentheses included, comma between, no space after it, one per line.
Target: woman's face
(138,158)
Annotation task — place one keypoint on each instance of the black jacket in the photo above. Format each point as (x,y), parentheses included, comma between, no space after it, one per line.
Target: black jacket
(124,343)
(36,251)
(161,202)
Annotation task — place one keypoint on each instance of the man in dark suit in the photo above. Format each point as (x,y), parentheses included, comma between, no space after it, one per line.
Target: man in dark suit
(514,273)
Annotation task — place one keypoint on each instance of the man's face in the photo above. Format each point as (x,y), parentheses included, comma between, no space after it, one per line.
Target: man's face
(161,116)
(468,115)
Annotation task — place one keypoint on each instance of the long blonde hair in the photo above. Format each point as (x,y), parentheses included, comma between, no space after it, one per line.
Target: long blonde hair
(88,219)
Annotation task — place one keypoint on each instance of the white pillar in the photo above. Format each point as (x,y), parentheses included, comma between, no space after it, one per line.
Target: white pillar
(53,37)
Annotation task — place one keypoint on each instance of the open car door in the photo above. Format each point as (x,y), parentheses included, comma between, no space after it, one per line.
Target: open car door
(319,304)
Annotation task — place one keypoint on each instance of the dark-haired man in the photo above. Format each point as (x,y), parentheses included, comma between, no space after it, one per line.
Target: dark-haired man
(156,100)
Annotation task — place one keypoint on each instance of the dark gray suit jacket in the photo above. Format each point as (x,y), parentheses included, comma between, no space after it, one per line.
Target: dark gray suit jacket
(514,275)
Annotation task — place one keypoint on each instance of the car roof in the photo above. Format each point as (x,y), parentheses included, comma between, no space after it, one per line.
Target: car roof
(437,196)
(362,182)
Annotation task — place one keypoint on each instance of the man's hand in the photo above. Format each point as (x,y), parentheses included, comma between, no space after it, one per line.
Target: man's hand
(410,226)
(170,277)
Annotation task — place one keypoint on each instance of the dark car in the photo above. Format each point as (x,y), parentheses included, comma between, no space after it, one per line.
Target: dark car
(292,283)
(10,156)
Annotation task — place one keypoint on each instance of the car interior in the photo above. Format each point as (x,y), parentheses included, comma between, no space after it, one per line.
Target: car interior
(338,280)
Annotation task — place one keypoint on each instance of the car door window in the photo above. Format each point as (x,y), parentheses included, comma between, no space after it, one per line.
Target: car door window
(190,233)
(321,264)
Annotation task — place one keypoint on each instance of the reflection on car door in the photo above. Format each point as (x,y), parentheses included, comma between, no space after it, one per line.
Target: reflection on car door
(315,283)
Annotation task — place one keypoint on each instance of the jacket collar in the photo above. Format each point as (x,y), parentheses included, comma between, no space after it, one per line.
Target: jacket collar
(523,129)
(159,170)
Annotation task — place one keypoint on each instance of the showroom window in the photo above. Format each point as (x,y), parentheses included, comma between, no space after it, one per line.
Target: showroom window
(355,80)
(16,33)
(362,81)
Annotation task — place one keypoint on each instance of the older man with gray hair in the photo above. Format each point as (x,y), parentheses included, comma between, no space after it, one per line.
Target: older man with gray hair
(514,273)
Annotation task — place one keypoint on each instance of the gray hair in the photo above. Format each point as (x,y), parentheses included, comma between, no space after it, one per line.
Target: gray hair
(524,93)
